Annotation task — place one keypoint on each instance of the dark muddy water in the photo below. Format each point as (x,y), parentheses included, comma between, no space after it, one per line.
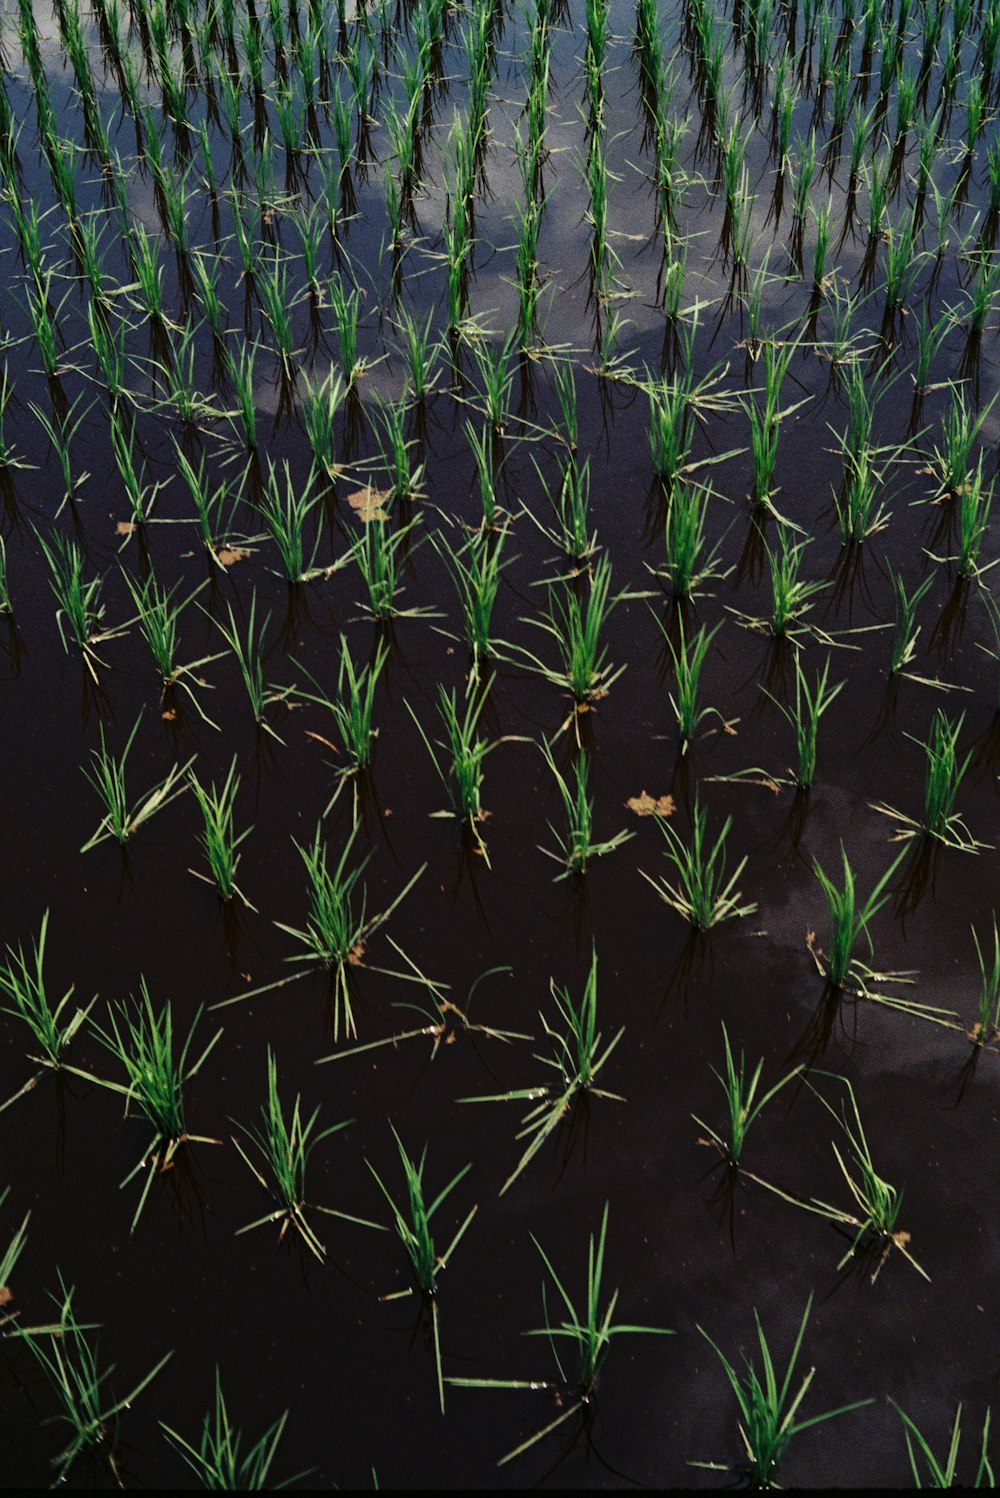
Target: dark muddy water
(687,1246)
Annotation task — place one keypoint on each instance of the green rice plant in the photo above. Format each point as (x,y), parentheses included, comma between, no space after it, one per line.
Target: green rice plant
(861,507)
(24,996)
(109,350)
(379,552)
(689,658)
(811,702)
(209,502)
(526,279)
(147,272)
(902,264)
(702,893)
(346,309)
(577,627)
(273,288)
(951,461)
(45,324)
(743,1105)
(158,614)
(218,1461)
(975,501)
(982,293)
(286,508)
(421,352)
(248,648)
(931,335)
(564,387)
(285,1144)
(80,613)
(240,367)
(413,1227)
(142,1041)
(120,820)
(9,1258)
(569,502)
(461,773)
(405,478)
(943,775)
(768,1409)
(61,431)
(877,1204)
(906,629)
(353,708)
(496,368)
(577,1058)
(823,218)
(68,1357)
(218,838)
(6,607)
(671,427)
(577,847)
(687,568)
(987,1026)
(849,918)
(476,570)
(132,469)
(8,452)
(338,928)
(586,1330)
(941,1474)
(481,446)
(206,272)
(791,595)
(321,403)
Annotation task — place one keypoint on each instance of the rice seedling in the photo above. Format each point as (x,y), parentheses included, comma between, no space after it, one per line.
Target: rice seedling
(768,1409)
(687,568)
(218,1461)
(248,648)
(218,838)
(209,502)
(338,927)
(482,448)
(321,404)
(861,508)
(69,1358)
(421,352)
(576,1059)
(577,846)
(942,1473)
(476,570)
(284,1144)
(405,478)
(577,626)
(850,918)
(80,613)
(158,615)
(107,776)
(379,552)
(588,1332)
(906,629)
(9,1258)
(495,367)
(353,708)
(689,658)
(943,775)
(877,1204)
(569,503)
(346,309)
(702,893)
(461,773)
(951,461)
(61,430)
(743,1105)
(987,1025)
(157,1073)
(413,1227)
(286,508)
(974,503)
(6,606)
(24,996)
(811,702)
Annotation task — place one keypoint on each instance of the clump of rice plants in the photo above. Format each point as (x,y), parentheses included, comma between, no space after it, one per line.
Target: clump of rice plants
(284,1143)
(338,926)
(587,1332)
(80,613)
(768,1408)
(68,1356)
(811,702)
(702,892)
(461,773)
(24,996)
(218,838)
(219,1460)
(577,846)
(743,1105)
(986,1028)
(121,820)
(577,626)
(413,1227)
(353,710)
(932,1471)
(943,776)
(689,658)
(142,1040)
(577,1058)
